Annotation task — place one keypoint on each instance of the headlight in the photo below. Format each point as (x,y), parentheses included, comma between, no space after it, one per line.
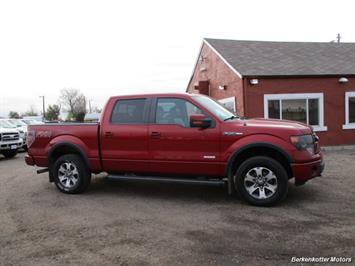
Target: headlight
(303,142)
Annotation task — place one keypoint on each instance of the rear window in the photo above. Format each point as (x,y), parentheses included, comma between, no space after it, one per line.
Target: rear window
(128,112)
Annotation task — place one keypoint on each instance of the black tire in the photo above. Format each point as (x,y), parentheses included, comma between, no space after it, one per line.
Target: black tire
(9,153)
(266,193)
(82,175)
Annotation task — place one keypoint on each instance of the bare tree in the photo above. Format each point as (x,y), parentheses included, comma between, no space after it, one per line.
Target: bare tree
(74,103)
(96,109)
(31,112)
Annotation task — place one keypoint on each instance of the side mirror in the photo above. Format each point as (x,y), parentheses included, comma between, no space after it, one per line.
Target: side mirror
(200,121)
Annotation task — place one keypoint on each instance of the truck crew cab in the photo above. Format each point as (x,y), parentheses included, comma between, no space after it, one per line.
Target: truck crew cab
(179,137)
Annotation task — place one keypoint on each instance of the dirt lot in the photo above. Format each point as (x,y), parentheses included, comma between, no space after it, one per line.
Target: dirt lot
(162,224)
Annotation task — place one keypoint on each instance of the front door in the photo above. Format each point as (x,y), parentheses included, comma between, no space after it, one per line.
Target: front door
(177,148)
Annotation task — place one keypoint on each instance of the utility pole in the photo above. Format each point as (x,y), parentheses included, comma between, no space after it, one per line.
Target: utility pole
(90,106)
(44,108)
(338,38)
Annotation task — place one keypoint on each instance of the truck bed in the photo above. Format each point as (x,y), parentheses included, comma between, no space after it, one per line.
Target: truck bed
(42,138)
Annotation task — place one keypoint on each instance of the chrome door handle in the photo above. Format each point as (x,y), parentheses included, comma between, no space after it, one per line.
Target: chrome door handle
(155,135)
(108,134)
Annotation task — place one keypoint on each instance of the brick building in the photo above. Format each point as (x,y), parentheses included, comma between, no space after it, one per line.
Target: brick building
(303,81)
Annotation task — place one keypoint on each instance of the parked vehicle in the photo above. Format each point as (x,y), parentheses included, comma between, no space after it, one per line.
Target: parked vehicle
(31,121)
(180,138)
(21,127)
(92,117)
(10,140)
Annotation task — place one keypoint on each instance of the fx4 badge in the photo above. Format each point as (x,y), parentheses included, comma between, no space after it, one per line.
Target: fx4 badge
(232,133)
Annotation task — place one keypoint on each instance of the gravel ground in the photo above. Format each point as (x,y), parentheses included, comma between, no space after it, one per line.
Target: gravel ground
(124,222)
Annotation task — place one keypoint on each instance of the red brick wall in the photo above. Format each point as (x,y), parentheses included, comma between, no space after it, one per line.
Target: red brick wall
(334,102)
(218,74)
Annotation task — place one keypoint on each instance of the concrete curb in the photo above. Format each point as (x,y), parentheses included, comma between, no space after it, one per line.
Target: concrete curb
(338,148)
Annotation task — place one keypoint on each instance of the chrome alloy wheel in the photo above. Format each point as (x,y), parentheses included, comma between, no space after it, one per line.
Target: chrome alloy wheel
(260,183)
(68,174)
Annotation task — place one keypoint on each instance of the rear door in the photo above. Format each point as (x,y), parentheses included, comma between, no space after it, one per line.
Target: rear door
(124,135)
(177,148)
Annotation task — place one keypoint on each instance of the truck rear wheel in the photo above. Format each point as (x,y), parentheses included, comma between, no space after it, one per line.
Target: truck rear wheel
(9,153)
(71,175)
(261,181)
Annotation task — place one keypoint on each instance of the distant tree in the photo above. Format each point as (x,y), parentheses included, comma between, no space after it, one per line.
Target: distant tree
(30,112)
(96,109)
(75,104)
(14,115)
(53,112)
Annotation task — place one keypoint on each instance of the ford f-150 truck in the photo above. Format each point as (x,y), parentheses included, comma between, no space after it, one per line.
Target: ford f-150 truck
(10,140)
(180,138)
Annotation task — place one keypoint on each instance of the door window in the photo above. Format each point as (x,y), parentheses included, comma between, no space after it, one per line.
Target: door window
(175,111)
(129,112)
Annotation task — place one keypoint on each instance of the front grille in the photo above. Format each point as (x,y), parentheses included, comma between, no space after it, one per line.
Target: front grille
(10,136)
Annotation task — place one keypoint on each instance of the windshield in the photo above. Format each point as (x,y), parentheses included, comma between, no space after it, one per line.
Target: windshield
(27,122)
(18,123)
(214,107)
(6,124)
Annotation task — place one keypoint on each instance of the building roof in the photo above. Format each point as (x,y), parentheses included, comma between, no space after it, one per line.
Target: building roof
(263,58)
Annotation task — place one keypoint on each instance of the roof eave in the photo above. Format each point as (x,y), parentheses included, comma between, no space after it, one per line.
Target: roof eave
(296,76)
(222,58)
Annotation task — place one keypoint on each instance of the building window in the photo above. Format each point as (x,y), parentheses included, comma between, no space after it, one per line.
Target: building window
(306,108)
(228,103)
(349,110)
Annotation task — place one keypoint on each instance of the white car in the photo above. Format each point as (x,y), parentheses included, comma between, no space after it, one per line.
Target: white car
(31,121)
(21,127)
(10,140)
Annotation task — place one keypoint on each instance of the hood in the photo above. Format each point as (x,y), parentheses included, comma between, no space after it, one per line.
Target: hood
(8,130)
(279,124)
(279,128)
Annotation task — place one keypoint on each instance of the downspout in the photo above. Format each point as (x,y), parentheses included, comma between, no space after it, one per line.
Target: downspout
(244,96)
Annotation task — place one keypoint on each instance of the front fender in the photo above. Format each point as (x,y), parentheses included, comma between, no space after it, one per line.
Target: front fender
(259,140)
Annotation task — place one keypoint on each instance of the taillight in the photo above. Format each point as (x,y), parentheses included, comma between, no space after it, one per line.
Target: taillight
(31,136)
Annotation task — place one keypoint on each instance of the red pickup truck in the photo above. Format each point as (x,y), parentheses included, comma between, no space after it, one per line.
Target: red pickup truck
(181,138)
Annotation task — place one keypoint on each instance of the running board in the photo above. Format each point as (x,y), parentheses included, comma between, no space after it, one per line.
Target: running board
(213,182)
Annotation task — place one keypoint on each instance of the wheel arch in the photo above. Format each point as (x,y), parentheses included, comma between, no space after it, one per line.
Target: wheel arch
(256,149)
(63,148)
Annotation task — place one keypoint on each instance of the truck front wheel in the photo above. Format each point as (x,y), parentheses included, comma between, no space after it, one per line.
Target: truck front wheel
(261,181)
(71,175)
